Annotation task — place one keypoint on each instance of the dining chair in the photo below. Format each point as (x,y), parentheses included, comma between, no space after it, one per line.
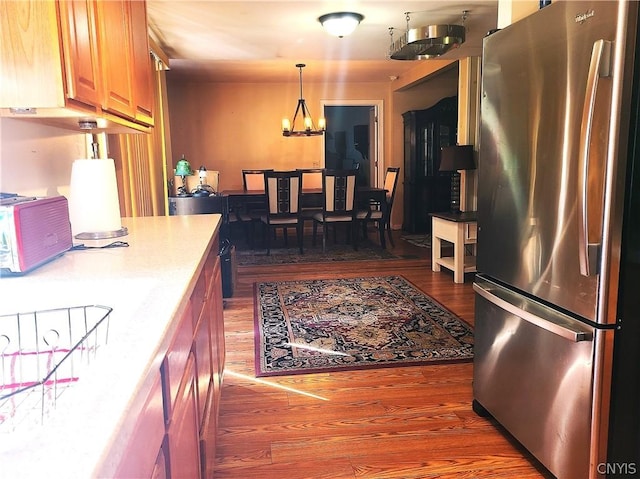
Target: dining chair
(283,191)
(252,209)
(338,205)
(311,203)
(253,180)
(382,212)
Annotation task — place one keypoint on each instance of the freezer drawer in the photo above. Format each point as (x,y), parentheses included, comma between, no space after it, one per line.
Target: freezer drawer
(533,373)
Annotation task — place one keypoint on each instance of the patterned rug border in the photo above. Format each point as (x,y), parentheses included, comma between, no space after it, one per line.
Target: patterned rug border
(341,368)
(420,240)
(367,251)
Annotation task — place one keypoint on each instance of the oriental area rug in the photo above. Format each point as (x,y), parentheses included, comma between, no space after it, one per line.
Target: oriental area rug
(357,323)
(421,240)
(367,251)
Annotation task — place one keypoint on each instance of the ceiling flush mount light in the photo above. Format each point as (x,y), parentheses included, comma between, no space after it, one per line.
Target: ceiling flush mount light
(289,127)
(427,42)
(340,24)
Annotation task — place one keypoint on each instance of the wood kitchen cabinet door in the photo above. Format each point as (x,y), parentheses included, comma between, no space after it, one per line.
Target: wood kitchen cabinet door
(143,89)
(29,55)
(218,342)
(202,338)
(126,62)
(174,362)
(114,36)
(202,348)
(183,437)
(81,51)
(49,55)
(141,456)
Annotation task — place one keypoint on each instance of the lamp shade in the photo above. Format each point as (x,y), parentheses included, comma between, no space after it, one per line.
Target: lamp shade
(183,168)
(94,207)
(457,157)
(340,24)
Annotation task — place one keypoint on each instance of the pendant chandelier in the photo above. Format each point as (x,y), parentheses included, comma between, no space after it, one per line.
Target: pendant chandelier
(309,129)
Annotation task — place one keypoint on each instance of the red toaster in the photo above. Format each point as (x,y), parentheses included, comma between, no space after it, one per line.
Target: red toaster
(32,232)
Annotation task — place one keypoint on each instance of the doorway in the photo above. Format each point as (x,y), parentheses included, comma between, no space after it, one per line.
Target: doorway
(352,140)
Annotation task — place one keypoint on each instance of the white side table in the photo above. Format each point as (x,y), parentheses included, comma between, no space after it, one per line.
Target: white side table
(461,230)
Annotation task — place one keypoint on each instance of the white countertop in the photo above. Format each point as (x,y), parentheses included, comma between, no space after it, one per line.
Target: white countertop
(147,284)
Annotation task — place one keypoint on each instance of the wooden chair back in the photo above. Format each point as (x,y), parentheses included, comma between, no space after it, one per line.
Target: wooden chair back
(339,192)
(283,191)
(390,183)
(253,180)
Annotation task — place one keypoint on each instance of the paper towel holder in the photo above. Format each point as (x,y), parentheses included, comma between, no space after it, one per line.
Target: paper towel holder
(97,235)
(94,206)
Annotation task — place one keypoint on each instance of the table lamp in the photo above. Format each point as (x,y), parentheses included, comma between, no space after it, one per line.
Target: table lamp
(455,158)
(183,169)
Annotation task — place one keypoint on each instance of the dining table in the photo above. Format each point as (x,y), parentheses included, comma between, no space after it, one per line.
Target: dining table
(365,196)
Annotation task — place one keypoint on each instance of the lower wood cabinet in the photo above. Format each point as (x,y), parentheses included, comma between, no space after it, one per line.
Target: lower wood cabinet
(183,429)
(204,371)
(142,459)
(217,335)
(174,433)
(203,324)
(192,417)
(212,310)
(175,361)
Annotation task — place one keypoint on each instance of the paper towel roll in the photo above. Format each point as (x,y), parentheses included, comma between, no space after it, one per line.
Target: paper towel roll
(94,207)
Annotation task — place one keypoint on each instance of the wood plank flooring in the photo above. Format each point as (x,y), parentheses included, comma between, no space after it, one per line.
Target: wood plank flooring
(391,423)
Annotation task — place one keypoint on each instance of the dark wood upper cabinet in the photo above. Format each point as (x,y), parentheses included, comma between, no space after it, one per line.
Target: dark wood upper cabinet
(427,190)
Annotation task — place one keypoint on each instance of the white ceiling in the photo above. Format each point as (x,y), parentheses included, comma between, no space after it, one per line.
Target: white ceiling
(261,41)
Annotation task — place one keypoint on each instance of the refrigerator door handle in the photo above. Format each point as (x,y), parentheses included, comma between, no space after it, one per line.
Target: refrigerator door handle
(553,322)
(599,66)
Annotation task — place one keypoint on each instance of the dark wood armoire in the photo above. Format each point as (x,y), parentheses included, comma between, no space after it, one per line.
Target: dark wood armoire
(426,190)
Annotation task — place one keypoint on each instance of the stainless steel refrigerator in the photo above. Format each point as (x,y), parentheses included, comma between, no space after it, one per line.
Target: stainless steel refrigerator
(558,244)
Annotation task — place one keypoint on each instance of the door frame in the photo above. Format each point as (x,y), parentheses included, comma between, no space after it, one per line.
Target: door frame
(377,143)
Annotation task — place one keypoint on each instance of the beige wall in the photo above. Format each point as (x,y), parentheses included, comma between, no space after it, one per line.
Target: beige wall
(229,127)
(36,159)
(510,11)
(225,127)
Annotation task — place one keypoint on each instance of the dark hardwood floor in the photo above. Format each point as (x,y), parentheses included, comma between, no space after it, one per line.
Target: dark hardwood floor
(391,423)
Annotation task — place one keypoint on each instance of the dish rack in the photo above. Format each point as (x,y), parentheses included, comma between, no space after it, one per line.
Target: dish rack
(42,354)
